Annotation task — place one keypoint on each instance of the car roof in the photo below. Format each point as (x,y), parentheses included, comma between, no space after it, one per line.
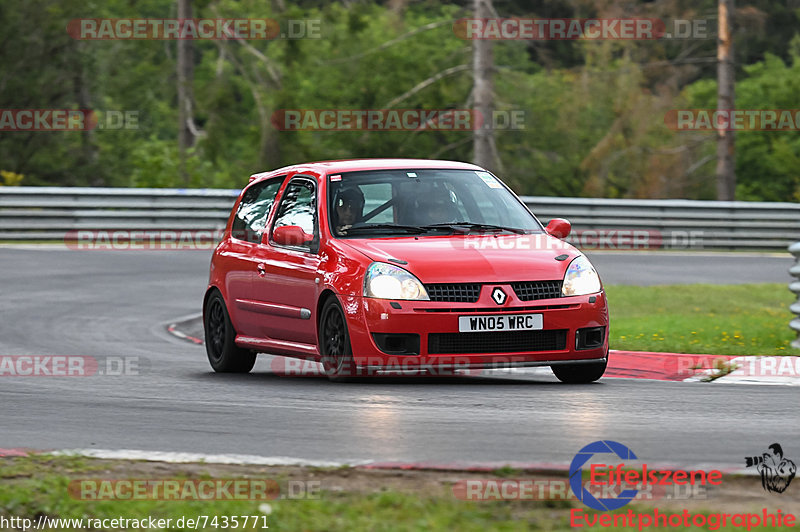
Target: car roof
(352,165)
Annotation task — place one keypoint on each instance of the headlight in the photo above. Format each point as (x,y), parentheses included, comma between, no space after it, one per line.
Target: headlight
(581,278)
(384,281)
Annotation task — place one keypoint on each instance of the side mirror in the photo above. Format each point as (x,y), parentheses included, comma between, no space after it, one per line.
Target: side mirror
(291,235)
(559,228)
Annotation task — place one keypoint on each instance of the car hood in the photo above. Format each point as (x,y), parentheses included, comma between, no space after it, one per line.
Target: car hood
(473,258)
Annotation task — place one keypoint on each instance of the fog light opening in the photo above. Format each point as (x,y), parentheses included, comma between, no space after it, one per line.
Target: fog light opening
(590,338)
(397,344)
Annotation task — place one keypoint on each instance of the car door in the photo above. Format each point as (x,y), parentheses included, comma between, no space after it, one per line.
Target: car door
(288,284)
(247,229)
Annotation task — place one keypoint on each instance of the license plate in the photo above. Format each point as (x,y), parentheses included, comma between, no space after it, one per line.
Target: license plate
(500,322)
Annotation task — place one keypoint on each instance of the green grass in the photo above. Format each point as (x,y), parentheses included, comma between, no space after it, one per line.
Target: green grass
(506,472)
(749,319)
(38,486)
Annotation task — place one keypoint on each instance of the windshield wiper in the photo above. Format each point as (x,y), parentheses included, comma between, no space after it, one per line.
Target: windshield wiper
(383,228)
(476,227)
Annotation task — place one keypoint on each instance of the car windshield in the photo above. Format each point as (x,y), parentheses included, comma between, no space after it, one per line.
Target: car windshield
(413,202)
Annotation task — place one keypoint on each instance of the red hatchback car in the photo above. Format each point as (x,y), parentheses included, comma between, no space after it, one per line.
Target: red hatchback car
(400,265)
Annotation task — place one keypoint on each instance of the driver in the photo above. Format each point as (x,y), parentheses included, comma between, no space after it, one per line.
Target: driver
(348,208)
(436,206)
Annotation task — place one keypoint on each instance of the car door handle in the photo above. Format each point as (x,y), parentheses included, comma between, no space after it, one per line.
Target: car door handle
(262,270)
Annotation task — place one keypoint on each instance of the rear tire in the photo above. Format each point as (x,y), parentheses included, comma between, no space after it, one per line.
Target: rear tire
(223,353)
(580,373)
(334,343)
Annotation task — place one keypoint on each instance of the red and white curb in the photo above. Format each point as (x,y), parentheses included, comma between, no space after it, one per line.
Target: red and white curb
(172,328)
(679,367)
(246,459)
(729,369)
(782,370)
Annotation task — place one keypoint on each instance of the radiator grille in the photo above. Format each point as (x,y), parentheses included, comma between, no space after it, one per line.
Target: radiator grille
(533,290)
(470,292)
(454,292)
(497,342)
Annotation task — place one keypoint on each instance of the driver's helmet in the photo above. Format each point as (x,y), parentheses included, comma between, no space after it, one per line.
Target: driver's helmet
(435,205)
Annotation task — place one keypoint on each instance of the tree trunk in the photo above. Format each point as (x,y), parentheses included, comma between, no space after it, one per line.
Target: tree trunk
(483,152)
(726,169)
(185,81)
(89,149)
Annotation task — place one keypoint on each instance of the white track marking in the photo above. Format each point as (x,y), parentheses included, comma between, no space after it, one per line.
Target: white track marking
(181,458)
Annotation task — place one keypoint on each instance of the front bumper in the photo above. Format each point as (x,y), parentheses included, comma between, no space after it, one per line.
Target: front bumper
(441,346)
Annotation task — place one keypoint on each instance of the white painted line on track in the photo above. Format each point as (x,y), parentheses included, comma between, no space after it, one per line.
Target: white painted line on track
(36,247)
(182,458)
(247,459)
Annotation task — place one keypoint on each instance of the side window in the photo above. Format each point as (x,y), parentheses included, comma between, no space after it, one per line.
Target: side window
(298,206)
(251,217)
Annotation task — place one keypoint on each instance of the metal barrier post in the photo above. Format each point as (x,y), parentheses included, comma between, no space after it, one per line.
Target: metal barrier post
(794,286)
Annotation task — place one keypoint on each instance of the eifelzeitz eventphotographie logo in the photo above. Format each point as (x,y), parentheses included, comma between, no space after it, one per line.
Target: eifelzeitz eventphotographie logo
(776,471)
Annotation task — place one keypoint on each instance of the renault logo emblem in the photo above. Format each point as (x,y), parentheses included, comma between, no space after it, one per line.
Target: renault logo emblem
(499,296)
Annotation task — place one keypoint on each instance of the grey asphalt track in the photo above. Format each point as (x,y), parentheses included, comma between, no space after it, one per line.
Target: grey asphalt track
(116,304)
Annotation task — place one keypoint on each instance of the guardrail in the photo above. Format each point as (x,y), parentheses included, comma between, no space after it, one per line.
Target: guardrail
(681,223)
(794,271)
(48,213)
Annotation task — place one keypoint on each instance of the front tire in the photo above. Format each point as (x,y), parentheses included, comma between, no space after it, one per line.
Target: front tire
(334,343)
(223,353)
(580,373)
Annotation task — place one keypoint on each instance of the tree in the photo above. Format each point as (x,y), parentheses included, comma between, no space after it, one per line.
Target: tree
(186,135)
(484,152)
(726,171)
